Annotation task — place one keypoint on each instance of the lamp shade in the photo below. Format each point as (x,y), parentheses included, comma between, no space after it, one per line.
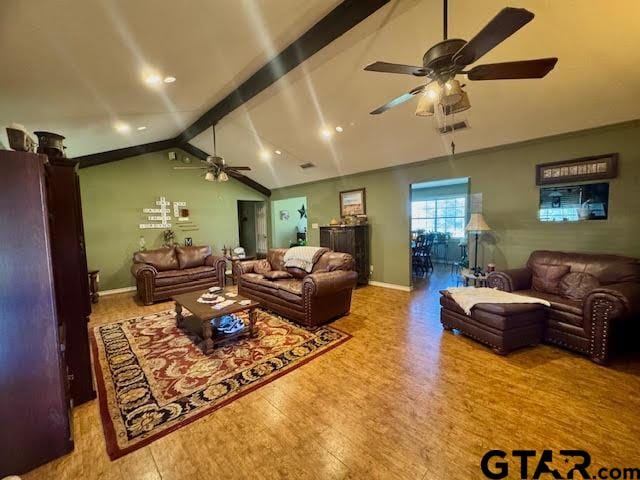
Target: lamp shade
(477,223)
(452,93)
(425,106)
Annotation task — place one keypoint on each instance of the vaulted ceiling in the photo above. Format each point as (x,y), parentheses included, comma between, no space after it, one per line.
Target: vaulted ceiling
(77,67)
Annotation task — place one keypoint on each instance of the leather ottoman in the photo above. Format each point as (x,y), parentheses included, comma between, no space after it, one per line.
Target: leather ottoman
(502,326)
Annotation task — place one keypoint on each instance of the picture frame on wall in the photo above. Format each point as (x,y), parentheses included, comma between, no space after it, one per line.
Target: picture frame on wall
(597,167)
(353,202)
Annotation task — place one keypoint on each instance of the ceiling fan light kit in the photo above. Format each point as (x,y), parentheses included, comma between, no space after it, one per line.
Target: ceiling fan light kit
(450,57)
(215,166)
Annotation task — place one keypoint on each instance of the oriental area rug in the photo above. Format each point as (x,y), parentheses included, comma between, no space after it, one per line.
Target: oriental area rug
(152,377)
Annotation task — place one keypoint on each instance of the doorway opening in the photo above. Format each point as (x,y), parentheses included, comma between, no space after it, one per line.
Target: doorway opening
(439,214)
(289,222)
(252,227)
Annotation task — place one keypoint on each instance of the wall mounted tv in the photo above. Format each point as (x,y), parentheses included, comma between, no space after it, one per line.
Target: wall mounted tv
(574,203)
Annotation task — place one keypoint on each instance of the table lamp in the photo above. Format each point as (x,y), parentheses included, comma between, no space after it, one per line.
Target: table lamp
(477,225)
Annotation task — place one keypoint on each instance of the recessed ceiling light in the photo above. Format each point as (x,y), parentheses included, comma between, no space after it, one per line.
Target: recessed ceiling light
(278,152)
(153,79)
(339,129)
(326,133)
(122,127)
(264,155)
(142,128)
(169,79)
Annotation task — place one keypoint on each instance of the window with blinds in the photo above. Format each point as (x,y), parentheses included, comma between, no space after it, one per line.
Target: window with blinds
(442,215)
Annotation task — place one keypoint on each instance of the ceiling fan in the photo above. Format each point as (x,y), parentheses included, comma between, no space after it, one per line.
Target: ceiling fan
(215,166)
(446,59)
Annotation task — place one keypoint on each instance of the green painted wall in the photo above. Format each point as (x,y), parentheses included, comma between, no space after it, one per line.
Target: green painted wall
(506,178)
(285,231)
(114,194)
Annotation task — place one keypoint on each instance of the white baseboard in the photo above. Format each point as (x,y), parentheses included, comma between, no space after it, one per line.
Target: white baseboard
(392,286)
(115,291)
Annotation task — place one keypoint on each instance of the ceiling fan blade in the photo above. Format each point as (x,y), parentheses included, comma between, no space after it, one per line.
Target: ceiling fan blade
(396,68)
(507,22)
(512,70)
(238,168)
(398,100)
(190,168)
(234,174)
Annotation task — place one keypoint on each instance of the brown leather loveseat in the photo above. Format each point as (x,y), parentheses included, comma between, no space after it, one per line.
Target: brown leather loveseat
(308,298)
(595,298)
(164,272)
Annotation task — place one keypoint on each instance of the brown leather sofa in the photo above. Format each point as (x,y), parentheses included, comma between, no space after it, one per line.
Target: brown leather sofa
(165,272)
(308,298)
(595,298)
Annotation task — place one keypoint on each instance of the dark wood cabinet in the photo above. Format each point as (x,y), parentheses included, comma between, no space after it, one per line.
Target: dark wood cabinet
(70,272)
(45,365)
(351,239)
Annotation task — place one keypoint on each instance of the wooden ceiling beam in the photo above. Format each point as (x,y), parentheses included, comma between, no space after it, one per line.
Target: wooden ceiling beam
(122,153)
(336,23)
(339,21)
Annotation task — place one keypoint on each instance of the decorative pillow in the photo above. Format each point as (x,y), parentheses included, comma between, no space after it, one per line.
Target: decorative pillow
(276,275)
(577,285)
(297,272)
(262,267)
(546,277)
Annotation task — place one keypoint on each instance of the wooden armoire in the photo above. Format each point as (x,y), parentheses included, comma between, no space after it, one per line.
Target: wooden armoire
(351,239)
(45,365)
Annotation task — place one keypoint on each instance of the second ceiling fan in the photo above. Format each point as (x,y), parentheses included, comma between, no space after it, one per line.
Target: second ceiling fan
(216,167)
(446,59)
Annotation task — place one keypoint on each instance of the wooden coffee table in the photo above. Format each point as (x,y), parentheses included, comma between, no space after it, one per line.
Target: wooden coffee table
(204,320)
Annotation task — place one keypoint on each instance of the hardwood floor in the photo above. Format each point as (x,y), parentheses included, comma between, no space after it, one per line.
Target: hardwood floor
(401,400)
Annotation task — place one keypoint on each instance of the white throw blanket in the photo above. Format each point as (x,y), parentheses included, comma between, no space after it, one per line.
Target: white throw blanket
(469,297)
(303,257)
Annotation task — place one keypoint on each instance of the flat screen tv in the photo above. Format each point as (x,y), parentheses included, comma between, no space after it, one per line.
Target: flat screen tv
(574,203)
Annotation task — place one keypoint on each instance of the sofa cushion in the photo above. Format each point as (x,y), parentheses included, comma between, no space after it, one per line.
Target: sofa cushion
(276,258)
(297,272)
(332,261)
(189,257)
(261,267)
(546,277)
(171,277)
(276,275)
(163,259)
(606,268)
(258,280)
(557,302)
(174,277)
(198,273)
(577,285)
(292,285)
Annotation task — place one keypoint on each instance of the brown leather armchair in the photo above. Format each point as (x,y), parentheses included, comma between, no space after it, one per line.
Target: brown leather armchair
(165,272)
(595,298)
(308,298)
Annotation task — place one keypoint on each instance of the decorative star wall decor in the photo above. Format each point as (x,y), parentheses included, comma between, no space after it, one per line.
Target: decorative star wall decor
(302,211)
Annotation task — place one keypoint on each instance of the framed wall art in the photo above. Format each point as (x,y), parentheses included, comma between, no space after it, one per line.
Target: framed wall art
(353,202)
(578,170)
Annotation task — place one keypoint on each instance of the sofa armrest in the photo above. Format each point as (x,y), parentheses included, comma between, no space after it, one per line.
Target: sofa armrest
(325,283)
(624,298)
(604,305)
(220,265)
(138,269)
(240,267)
(510,280)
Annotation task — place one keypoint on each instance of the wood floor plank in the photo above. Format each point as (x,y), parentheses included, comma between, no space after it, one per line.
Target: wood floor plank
(401,400)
